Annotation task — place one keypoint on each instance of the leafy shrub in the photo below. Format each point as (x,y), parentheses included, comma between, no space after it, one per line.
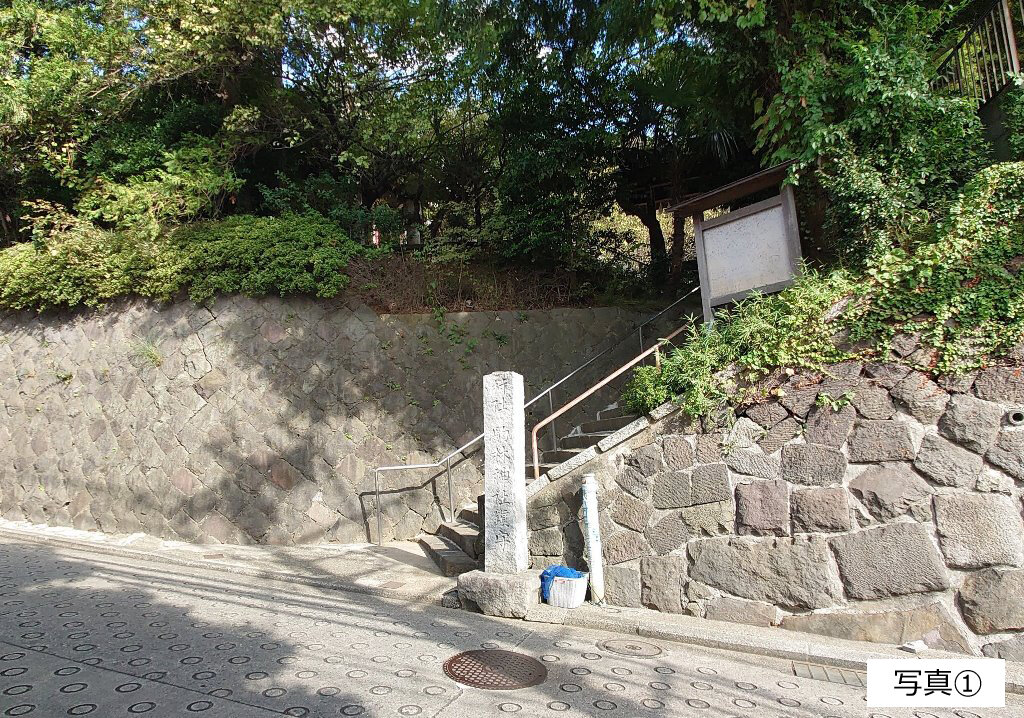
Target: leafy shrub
(758,334)
(335,199)
(72,262)
(137,144)
(261,255)
(962,289)
(551,192)
(190,182)
(1014,108)
(645,389)
(855,103)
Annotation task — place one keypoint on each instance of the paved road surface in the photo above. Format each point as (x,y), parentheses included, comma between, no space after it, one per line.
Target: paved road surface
(88,634)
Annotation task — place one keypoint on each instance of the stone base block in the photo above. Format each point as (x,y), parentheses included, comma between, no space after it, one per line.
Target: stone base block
(931,623)
(509,595)
(724,608)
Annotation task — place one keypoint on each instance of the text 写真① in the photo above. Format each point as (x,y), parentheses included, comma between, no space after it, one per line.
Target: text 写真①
(937,683)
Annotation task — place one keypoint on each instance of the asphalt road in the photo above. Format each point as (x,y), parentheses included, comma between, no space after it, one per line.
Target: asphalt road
(89,634)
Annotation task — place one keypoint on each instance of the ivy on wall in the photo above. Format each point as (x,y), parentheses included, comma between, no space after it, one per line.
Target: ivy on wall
(958,286)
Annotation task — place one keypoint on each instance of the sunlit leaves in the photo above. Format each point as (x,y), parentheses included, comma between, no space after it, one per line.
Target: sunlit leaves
(959,289)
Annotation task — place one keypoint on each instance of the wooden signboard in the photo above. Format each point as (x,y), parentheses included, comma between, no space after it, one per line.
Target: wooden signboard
(752,249)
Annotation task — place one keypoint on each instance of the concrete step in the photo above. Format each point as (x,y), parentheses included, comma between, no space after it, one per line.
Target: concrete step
(615,412)
(582,441)
(465,536)
(471,514)
(557,457)
(447,555)
(592,427)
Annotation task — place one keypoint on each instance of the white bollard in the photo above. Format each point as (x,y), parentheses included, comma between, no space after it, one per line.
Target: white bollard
(592,533)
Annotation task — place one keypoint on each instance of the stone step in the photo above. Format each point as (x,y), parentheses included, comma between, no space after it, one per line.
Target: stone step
(466,537)
(447,555)
(615,412)
(582,441)
(591,427)
(557,457)
(471,514)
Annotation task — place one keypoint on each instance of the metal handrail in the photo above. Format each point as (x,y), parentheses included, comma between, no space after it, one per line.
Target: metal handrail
(656,349)
(982,63)
(638,328)
(447,460)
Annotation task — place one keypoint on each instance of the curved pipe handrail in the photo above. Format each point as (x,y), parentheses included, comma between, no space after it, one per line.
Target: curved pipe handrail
(447,460)
(638,328)
(636,360)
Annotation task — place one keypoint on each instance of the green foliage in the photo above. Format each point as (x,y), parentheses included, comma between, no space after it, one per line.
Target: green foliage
(146,351)
(71,262)
(645,389)
(263,255)
(552,191)
(524,132)
(759,334)
(336,200)
(959,288)
(191,181)
(137,144)
(835,403)
(499,338)
(74,263)
(855,102)
(1014,114)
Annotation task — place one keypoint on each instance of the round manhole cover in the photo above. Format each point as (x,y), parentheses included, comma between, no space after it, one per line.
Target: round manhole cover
(495,670)
(631,648)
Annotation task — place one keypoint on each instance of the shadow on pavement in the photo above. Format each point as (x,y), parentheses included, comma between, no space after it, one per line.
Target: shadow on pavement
(163,639)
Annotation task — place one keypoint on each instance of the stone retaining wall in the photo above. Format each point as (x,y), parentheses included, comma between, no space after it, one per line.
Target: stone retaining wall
(259,420)
(869,503)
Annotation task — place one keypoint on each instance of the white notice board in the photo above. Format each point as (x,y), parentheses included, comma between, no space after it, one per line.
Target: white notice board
(756,248)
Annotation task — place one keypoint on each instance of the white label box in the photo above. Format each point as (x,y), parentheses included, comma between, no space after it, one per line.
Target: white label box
(937,683)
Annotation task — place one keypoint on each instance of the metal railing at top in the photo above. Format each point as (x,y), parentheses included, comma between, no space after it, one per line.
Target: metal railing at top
(985,60)
(548,392)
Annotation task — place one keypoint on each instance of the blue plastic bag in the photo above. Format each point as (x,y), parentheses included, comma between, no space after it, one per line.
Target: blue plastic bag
(549,575)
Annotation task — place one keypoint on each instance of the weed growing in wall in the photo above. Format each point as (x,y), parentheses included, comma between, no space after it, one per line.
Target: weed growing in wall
(146,351)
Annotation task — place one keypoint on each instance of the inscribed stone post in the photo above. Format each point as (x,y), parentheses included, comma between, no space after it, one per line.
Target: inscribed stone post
(505,534)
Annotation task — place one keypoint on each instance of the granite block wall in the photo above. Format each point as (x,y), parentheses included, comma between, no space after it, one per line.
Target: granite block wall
(866,502)
(259,421)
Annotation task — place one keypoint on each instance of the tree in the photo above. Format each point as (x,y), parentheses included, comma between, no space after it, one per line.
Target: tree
(513,127)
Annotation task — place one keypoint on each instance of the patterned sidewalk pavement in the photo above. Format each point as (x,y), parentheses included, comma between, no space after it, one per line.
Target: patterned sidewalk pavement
(88,634)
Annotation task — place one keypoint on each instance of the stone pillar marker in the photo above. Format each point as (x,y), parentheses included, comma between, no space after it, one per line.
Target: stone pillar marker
(505,536)
(505,587)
